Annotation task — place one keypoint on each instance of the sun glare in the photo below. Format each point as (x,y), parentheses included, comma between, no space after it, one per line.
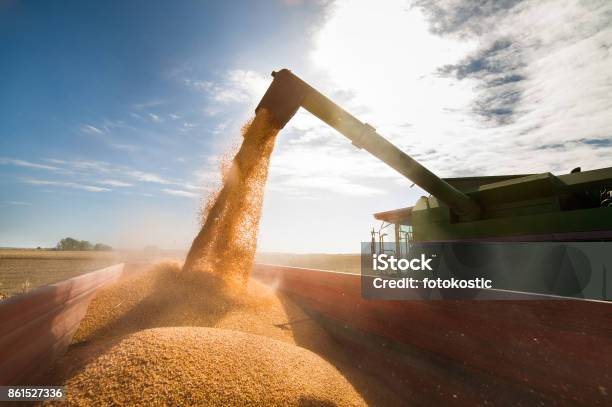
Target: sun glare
(388,58)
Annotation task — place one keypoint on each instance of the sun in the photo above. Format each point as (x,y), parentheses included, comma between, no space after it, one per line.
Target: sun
(386,56)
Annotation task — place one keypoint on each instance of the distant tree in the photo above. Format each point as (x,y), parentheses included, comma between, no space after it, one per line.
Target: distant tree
(102,247)
(69,243)
(85,245)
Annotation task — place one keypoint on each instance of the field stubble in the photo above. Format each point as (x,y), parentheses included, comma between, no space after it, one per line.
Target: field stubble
(22,270)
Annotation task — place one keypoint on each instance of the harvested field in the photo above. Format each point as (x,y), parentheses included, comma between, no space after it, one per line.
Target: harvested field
(22,270)
(167,297)
(27,269)
(348,263)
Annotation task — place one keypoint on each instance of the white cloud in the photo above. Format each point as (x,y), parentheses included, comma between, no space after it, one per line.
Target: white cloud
(147,177)
(179,192)
(205,86)
(188,126)
(89,129)
(85,165)
(106,175)
(124,147)
(155,118)
(566,94)
(115,183)
(190,186)
(27,164)
(238,86)
(110,173)
(326,164)
(73,185)
(302,186)
(389,76)
(149,104)
(207,175)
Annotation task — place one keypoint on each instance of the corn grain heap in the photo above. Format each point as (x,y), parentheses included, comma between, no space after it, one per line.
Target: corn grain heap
(165,296)
(228,239)
(151,339)
(110,362)
(204,366)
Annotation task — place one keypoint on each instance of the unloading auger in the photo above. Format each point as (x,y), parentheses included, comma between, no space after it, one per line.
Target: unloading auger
(288,93)
(520,207)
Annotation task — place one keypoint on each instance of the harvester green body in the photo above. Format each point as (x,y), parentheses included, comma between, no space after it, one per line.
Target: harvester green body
(537,207)
(529,207)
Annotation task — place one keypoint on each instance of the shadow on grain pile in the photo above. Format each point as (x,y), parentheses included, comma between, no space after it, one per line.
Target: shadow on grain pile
(148,339)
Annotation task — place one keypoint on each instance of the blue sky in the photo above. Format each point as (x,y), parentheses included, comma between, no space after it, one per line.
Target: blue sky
(114,116)
(95,102)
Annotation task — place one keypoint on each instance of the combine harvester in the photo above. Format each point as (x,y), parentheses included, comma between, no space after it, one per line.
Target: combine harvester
(532,349)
